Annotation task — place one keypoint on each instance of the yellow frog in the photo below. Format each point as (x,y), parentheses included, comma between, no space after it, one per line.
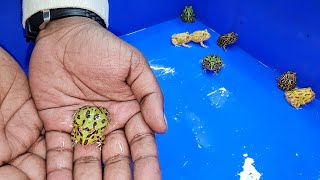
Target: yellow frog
(181,39)
(298,97)
(200,36)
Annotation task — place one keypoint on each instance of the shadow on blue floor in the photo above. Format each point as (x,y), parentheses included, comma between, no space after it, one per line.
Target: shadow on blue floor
(215,119)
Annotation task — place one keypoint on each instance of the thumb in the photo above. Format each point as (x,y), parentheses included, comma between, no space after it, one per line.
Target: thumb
(147,91)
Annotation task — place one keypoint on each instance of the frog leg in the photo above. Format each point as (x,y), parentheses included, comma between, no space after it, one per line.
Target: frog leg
(74,143)
(175,42)
(73,139)
(100,142)
(185,45)
(203,45)
(224,47)
(204,69)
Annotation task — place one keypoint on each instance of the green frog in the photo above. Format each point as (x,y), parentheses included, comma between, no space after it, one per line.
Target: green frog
(89,123)
(187,14)
(212,62)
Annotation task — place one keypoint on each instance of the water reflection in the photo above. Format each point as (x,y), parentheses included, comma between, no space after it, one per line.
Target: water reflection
(218,96)
(199,131)
(162,71)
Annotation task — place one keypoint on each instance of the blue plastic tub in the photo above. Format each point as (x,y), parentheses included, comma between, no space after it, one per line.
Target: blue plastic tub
(217,121)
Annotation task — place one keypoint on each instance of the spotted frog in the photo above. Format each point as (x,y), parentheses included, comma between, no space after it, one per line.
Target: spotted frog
(227,39)
(212,62)
(299,97)
(200,36)
(287,81)
(89,123)
(187,14)
(181,39)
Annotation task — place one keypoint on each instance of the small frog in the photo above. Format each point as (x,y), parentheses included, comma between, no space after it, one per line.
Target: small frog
(187,14)
(299,97)
(227,39)
(287,81)
(200,36)
(212,62)
(89,123)
(181,39)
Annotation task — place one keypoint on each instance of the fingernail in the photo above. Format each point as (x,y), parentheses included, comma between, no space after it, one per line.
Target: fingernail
(165,120)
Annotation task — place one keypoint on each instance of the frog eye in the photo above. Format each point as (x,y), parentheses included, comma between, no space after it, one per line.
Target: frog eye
(88,114)
(96,116)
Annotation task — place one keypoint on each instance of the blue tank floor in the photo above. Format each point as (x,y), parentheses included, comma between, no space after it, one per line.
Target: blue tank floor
(215,119)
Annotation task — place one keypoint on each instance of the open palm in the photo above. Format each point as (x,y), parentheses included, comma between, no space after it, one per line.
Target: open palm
(76,63)
(22,146)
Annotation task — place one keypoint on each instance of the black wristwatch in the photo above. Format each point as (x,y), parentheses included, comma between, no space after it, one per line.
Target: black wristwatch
(41,18)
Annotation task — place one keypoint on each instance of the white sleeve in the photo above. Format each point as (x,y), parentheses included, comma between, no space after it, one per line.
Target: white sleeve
(100,7)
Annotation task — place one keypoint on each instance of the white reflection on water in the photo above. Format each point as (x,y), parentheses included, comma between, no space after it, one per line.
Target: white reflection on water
(162,71)
(218,96)
(199,131)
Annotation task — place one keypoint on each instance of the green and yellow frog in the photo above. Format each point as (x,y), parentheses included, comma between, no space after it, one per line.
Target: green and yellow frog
(89,123)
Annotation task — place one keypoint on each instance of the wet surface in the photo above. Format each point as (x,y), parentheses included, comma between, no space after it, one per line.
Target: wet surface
(215,119)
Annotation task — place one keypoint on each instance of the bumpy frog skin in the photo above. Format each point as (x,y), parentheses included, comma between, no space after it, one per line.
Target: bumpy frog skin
(187,14)
(213,63)
(200,36)
(227,39)
(89,123)
(299,97)
(287,81)
(181,39)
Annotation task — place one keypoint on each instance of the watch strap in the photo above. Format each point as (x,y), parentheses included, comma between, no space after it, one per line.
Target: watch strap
(39,20)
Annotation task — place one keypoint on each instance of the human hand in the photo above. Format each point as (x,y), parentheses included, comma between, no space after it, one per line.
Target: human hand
(22,146)
(75,63)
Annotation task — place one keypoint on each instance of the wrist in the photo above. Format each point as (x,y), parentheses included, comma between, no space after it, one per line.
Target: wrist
(37,13)
(31,7)
(60,27)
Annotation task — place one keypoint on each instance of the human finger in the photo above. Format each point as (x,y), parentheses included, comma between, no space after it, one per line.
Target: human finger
(59,155)
(11,172)
(147,90)
(143,149)
(87,162)
(32,165)
(116,157)
(39,147)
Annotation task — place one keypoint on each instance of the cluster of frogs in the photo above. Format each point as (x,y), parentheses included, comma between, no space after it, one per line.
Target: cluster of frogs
(295,96)
(286,82)
(210,62)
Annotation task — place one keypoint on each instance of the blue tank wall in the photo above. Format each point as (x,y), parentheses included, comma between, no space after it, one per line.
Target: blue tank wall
(284,35)
(127,16)
(12,34)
